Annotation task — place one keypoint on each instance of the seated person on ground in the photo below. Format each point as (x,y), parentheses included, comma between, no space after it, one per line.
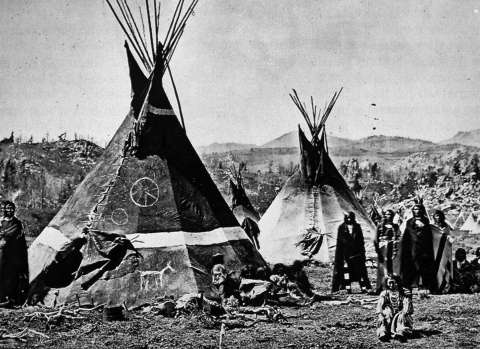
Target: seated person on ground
(394,309)
(279,278)
(463,276)
(297,275)
(291,282)
(475,263)
(223,284)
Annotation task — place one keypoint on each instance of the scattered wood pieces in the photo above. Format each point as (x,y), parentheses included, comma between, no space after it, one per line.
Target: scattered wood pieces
(222,333)
(61,313)
(23,333)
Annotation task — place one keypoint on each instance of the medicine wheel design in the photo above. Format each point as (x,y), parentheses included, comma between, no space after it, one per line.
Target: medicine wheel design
(144,192)
(119,216)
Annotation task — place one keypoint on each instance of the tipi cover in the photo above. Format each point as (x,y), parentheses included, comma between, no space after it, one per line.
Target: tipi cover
(303,219)
(242,208)
(460,220)
(153,215)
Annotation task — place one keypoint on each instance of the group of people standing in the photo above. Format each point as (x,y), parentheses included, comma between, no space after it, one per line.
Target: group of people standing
(408,254)
(406,260)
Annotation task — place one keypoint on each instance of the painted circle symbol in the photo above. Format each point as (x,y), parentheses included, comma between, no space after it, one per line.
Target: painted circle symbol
(119,216)
(144,192)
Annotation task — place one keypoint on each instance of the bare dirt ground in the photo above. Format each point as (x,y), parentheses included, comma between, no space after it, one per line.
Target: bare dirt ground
(446,321)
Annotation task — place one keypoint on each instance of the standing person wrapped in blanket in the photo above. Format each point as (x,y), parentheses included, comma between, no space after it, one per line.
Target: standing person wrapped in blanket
(417,261)
(350,257)
(13,258)
(394,309)
(442,247)
(387,246)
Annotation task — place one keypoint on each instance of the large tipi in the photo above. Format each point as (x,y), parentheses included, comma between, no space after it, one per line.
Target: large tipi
(302,221)
(150,214)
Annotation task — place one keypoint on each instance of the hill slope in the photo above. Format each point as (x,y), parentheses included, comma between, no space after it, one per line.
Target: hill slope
(389,144)
(290,140)
(40,177)
(471,138)
(223,147)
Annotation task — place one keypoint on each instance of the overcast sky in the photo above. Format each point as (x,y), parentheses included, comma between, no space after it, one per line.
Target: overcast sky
(63,67)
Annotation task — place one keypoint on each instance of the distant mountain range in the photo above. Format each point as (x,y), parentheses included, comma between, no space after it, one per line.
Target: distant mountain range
(389,144)
(224,147)
(381,144)
(290,140)
(471,138)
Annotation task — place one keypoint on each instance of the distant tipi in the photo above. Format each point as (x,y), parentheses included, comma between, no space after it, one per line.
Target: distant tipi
(302,221)
(472,223)
(150,214)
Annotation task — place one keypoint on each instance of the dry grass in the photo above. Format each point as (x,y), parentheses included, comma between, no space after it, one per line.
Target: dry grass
(448,321)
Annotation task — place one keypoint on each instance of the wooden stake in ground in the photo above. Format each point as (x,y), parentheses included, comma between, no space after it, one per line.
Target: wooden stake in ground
(222,333)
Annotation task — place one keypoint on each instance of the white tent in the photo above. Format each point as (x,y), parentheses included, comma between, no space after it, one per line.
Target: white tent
(302,221)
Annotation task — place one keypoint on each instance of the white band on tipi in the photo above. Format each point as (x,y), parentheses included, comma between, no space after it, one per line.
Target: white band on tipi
(159,111)
(53,238)
(181,238)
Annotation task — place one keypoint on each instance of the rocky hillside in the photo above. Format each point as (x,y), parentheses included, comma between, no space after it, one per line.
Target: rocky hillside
(40,177)
(471,138)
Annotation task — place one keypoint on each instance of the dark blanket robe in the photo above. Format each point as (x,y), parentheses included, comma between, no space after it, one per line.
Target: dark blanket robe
(252,230)
(350,249)
(463,277)
(387,246)
(417,259)
(13,262)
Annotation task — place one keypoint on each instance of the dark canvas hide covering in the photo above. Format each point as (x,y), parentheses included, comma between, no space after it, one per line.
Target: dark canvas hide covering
(149,188)
(244,211)
(241,202)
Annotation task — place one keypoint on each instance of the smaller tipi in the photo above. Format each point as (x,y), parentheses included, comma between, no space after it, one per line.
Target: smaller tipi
(303,220)
(472,223)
